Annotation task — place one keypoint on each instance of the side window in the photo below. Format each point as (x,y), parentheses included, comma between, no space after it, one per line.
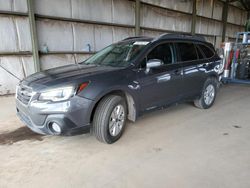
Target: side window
(207,51)
(187,51)
(163,52)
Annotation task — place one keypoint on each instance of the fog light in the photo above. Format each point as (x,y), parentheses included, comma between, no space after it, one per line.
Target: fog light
(56,128)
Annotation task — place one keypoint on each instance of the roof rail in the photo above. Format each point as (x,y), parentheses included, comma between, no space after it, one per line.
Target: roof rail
(181,36)
(136,37)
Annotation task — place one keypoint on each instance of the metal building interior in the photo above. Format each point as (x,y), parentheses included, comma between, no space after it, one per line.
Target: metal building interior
(180,147)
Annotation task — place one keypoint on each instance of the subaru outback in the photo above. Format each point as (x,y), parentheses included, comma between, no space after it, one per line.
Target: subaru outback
(120,82)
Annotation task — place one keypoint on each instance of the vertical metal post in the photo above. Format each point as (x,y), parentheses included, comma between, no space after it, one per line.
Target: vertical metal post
(212,14)
(193,18)
(224,20)
(247,24)
(137,17)
(33,33)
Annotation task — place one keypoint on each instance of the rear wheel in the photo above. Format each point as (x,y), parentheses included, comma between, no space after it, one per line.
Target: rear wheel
(109,119)
(208,95)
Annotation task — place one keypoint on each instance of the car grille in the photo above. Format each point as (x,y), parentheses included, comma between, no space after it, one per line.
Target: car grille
(24,94)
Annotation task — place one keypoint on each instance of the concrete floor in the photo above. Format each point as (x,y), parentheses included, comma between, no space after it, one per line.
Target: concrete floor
(179,147)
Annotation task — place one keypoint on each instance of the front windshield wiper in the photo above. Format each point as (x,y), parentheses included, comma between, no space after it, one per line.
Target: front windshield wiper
(116,64)
(111,64)
(90,63)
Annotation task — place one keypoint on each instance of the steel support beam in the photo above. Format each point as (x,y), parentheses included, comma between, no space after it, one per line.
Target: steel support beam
(193,18)
(11,13)
(66,52)
(224,20)
(74,20)
(16,53)
(33,33)
(137,17)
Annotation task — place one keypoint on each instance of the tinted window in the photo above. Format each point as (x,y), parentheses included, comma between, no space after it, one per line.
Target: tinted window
(187,51)
(207,51)
(163,52)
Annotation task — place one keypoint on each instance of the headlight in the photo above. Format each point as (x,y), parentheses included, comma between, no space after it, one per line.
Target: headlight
(58,94)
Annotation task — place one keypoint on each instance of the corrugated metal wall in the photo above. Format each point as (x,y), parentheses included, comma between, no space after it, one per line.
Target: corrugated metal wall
(67,29)
(14,37)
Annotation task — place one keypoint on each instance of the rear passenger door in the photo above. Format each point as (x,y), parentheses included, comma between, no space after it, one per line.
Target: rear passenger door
(194,75)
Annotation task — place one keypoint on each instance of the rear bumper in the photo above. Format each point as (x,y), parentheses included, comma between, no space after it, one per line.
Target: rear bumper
(73,116)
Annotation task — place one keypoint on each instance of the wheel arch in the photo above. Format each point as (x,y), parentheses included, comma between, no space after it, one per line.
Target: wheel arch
(130,101)
(215,76)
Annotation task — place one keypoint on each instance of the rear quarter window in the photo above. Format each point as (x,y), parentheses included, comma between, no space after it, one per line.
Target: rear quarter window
(208,52)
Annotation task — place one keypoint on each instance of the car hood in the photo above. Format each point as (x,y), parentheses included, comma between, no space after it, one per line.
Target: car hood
(65,75)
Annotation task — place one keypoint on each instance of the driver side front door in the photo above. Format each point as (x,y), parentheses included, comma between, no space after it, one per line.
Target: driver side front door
(161,85)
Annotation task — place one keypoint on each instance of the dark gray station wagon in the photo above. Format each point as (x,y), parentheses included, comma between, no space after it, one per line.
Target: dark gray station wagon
(122,81)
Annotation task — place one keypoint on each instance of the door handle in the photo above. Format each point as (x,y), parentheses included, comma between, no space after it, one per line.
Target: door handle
(205,64)
(178,72)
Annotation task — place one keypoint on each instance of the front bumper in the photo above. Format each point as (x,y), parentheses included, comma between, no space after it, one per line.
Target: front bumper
(73,116)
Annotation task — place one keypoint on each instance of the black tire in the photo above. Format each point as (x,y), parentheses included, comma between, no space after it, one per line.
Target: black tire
(242,70)
(102,118)
(200,102)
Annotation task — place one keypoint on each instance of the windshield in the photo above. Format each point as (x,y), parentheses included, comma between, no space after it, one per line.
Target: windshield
(117,55)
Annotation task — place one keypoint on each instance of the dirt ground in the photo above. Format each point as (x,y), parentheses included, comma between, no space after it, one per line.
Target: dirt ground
(179,147)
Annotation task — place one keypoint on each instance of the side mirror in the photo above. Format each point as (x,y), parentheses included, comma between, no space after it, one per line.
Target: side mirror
(152,63)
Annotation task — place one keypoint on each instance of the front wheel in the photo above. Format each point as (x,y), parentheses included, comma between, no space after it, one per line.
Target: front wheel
(208,94)
(110,119)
